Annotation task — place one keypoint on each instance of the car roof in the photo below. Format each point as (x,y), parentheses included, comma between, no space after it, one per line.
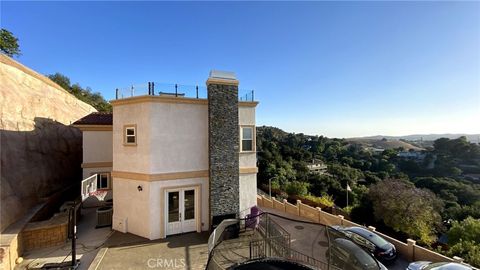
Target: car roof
(448,266)
(374,238)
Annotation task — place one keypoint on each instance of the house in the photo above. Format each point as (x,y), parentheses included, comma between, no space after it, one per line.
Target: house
(317,166)
(175,164)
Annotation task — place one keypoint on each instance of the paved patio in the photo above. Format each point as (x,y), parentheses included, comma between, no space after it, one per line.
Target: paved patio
(127,251)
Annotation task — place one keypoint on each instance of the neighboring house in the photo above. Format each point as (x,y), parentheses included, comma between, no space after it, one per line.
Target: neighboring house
(97,150)
(178,164)
(317,166)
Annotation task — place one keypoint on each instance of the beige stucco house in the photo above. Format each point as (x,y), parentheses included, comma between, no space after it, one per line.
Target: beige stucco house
(174,164)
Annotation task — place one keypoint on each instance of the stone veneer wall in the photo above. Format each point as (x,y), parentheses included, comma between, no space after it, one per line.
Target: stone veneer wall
(223,149)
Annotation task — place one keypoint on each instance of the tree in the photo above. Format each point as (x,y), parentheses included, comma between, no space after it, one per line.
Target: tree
(9,43)
(407,209)
(86,95)
(464,240)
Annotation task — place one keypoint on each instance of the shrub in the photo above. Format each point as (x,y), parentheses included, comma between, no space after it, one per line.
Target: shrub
(296,188)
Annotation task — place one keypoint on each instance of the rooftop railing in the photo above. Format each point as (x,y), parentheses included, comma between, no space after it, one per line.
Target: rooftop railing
(174,90)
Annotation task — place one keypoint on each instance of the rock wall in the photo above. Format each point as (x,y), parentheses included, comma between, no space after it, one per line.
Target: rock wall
(223,144)
(40,152)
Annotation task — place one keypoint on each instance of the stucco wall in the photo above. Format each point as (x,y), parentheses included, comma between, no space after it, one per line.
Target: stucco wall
(144,209)
(132,158)
(133,205)
(97,146)
(246,115)
(248,191)
(179,140)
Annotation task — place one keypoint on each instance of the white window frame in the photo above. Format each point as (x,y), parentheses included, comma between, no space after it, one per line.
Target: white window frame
(252,139)
(99,182)
(126,136)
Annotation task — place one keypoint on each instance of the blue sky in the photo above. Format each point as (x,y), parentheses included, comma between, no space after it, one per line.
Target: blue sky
(340,69)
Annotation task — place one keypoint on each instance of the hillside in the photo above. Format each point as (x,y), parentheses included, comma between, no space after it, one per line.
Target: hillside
(40,152)
(385,144)
(475,138)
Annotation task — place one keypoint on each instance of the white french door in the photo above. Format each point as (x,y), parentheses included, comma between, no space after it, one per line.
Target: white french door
(180,211)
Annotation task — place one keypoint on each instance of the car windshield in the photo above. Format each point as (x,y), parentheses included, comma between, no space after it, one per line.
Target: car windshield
(372,237)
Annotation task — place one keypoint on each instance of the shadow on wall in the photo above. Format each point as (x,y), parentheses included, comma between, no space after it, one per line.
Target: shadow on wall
(36,164)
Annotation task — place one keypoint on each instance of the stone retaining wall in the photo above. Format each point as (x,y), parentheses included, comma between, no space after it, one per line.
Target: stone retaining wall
(48,233)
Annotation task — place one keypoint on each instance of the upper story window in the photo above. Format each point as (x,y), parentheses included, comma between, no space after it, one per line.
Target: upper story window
(130,135)
(247,141)
(103,180)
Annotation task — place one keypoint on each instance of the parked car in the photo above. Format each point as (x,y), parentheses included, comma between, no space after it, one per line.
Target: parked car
(425,265)
(346,255)
(370,241)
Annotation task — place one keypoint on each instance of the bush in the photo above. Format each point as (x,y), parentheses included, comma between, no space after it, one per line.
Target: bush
(296,188)
(324,200)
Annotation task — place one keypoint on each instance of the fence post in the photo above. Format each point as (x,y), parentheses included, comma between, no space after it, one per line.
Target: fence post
(149,88)
(284,205)
(153,88)
(411,249)
(299,202)
(371,228)
(176,90)
(196,88)
(341,219)
(253,95)
(116,93)
(319,211)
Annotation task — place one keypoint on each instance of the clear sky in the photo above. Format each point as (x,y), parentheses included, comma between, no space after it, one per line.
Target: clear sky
(339,69)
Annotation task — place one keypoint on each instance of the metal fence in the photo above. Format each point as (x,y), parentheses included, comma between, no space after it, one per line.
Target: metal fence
(174,90)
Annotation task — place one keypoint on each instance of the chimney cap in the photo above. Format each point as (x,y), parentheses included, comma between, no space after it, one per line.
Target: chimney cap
(225,75)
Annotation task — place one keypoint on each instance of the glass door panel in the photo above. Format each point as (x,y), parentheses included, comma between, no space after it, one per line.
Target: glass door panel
(173,206)
(189,204)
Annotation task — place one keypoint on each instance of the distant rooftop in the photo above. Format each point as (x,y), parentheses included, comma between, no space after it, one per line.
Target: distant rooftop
(96,118)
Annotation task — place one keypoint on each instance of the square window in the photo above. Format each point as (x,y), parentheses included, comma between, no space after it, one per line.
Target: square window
(130,135)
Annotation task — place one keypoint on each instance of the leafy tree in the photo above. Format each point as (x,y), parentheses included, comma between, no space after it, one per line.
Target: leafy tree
(86,95)
(464,240)
(9,43)
(407,209)
(467,230)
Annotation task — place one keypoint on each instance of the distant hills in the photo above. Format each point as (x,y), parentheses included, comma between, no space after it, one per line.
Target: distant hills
(418,137)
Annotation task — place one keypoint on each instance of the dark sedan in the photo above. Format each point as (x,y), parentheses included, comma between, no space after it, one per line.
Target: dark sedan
(370,241)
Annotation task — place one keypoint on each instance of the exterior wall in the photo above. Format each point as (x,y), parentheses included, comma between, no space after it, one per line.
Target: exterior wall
(223,149)
(180,140)
(144,210)
(248,191)
(132,158)
(97,146)
(132,206)
(47,236)
(87,172)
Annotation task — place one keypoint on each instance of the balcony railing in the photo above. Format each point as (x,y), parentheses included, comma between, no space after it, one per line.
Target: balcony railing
(173,90)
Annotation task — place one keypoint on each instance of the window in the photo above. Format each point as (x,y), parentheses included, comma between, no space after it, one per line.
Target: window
(103,180)
(130,135)
(247,139)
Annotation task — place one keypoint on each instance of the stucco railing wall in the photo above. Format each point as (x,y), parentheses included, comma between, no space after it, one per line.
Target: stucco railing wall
(408,250)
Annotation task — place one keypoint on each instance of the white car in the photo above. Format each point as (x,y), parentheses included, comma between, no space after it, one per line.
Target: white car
(425,265)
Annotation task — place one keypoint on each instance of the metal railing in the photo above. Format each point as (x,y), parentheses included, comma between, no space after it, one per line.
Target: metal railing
(174,90)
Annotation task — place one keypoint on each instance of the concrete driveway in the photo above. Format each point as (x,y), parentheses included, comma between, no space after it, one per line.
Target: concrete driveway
(127,251)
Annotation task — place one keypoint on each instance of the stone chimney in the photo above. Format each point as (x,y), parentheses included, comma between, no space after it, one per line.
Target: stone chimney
(223,143)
